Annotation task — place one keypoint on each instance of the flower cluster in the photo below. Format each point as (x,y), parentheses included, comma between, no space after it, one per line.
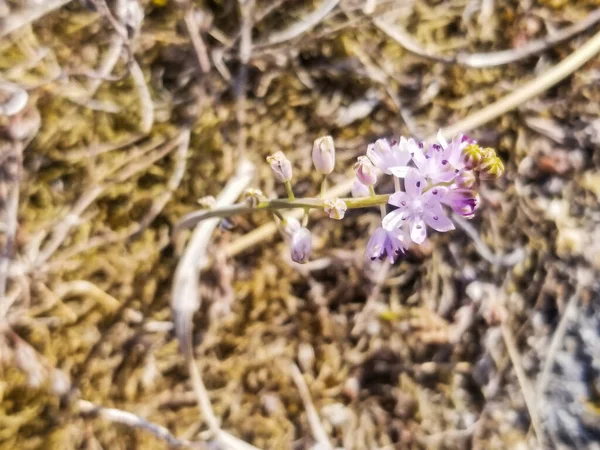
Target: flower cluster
(428,179)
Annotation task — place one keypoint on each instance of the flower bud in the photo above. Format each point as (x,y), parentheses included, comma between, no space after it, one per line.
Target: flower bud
(365,171)
(336,208)
(466,179)
(323,155)
(472,155)
(491,168)
(282,167)
(300,245)
(359,189)
(252,197)
(290,226)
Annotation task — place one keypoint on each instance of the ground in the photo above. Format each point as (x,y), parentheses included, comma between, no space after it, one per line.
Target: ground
(486,337)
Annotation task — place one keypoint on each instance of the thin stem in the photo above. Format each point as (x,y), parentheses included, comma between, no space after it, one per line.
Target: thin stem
(396,184)
(192,219)
(323,187)
(382,209)
(288,189)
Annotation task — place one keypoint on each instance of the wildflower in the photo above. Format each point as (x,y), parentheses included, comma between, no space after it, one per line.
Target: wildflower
(300,245)
(323,155)
(336,208)
(462,201)
(418,208)
(252,197)
(359,189)
(385,156)
(434,163)
(282,168)
(365,171)
(390,243)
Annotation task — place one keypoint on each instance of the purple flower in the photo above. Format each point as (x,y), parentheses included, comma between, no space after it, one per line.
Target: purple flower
(463,201)
(418,208)
(365,171)
(300,245)
(385,156)
(323,155)
(443,161)
(390,243)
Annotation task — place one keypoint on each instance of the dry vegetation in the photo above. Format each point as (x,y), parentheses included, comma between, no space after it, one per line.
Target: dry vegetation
(487,338)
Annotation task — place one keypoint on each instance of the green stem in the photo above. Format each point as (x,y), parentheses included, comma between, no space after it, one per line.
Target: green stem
(190,220)
(289,190)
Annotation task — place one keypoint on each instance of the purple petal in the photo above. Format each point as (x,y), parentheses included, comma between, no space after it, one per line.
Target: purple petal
(414,183)
(399,199)
(438,220)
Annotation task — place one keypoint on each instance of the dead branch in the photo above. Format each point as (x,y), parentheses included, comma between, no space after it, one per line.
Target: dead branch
(10,220)
(307,22)
(488,59)
(318,432)
(27,15)
(185,299)
(114,415)
(197,41)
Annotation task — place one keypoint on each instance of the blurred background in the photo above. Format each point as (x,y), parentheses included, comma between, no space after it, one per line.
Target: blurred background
(118,117)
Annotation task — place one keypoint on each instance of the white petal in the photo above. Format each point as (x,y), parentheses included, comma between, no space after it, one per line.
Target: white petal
(418,233)
(399,171)
(441,139)
(394,219)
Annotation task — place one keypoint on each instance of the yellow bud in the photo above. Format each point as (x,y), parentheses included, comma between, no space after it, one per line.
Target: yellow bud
(472,155)
(491,168)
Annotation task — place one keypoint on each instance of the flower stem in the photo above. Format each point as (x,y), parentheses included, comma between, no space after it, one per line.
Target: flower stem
(396,184)
(193,218)
(288,189)
(382,209)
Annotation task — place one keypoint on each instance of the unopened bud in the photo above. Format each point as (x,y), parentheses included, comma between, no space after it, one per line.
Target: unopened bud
(252,197)
(359,189)
(290,226)
(323,155)
(282,167)
(365,171)
(491,168)
(336,208)
(466,179)
(472,156)
(300,245)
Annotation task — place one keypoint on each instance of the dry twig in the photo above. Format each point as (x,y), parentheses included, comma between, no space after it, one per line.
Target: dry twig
(185,299)
(307,22)
(489,59)
(318,432)
(132,420)
(27,15)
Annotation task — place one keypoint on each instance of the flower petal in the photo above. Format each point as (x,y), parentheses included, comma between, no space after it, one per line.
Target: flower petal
(400,171)
(399,199)
(441,139)
(414,183)
(394,219)
(438,220)
(418,232)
